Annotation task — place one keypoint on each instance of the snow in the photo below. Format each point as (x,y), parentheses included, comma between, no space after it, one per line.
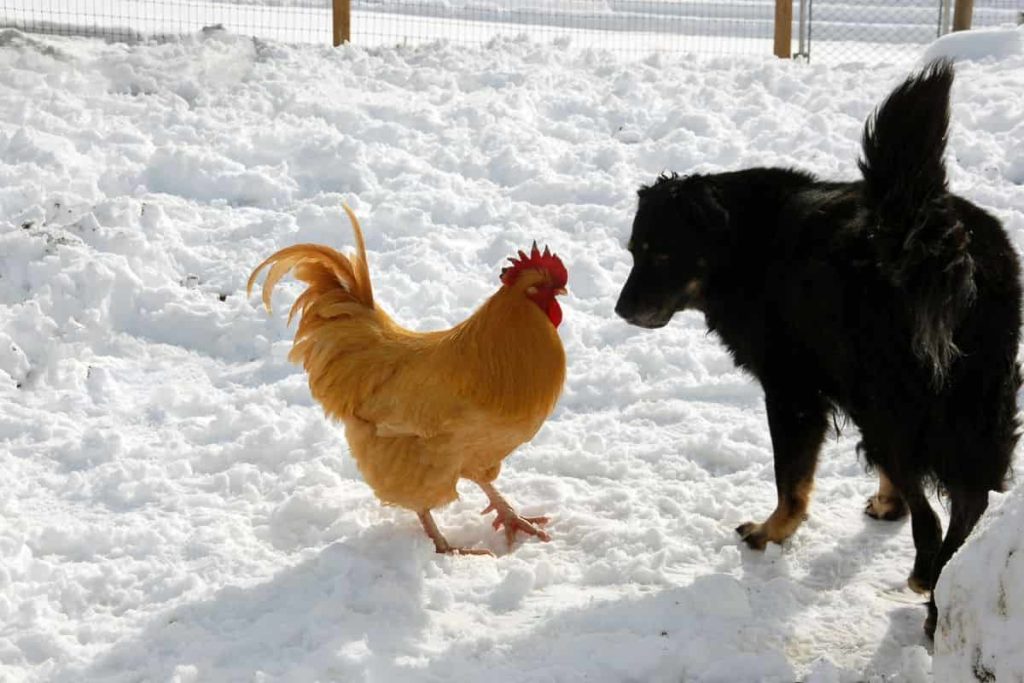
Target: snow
(978,45)
(980,596)
(174,505)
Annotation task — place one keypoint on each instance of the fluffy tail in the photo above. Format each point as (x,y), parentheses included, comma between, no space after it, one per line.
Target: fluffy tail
(338,285)
(922,245)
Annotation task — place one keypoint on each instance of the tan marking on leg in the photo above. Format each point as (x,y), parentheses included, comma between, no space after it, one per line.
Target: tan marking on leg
(886,489)
(888,503)
(787,517)
(918,585)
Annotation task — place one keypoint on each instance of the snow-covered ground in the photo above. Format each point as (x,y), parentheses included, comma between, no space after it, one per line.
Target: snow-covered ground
(981,594)
(174,507)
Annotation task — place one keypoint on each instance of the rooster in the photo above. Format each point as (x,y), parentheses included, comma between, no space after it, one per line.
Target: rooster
(423,409)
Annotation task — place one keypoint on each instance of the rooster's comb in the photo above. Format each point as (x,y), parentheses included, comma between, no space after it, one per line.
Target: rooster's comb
(536,260)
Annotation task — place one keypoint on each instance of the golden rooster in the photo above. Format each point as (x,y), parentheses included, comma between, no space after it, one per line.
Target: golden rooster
(422,409)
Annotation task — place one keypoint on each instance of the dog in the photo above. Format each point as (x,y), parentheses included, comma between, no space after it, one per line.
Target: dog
(888,299)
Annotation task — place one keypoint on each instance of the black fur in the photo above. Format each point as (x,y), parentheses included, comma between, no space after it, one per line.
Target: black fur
(921,241)
(889,299)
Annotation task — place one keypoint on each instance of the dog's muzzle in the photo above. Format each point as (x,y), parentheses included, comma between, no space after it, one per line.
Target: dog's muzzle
(648,319)
(640,314)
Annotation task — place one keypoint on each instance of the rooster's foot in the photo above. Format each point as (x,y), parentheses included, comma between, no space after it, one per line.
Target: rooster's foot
(441,544)
(514,522)
(510,519)
(452,550)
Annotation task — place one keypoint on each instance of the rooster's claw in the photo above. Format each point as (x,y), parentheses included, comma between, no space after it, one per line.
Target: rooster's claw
(510,519)
(528,525)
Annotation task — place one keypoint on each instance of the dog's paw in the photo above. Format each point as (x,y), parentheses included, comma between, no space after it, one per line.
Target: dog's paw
(886,508)
(753,534)
(918,584)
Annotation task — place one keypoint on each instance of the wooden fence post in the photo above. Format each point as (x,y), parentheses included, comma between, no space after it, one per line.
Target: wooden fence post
(962,15)
(783,28)
(342,21)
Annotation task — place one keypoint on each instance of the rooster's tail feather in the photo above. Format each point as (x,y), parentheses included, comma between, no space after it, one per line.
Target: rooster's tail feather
(338,285)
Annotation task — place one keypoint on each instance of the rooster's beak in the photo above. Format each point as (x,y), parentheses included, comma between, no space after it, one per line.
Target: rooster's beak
(561,291)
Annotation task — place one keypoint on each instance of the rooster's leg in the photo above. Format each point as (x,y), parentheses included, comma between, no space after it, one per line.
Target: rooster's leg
(510,519)
(441,544)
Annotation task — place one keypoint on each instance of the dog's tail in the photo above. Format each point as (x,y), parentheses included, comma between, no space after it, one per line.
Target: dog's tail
(922,246)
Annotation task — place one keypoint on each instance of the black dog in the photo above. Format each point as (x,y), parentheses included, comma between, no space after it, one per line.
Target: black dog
(889,299)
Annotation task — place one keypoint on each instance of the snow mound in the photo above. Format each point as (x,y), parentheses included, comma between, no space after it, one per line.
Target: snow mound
(980,595)
(978,44)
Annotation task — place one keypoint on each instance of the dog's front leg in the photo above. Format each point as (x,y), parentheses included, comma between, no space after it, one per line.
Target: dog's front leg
(797,422)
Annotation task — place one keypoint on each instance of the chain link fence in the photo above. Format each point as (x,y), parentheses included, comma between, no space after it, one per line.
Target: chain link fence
(626,26)
(891,30)
(290,21)
(827,30)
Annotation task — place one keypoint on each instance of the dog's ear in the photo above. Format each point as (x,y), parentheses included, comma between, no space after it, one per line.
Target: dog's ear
(666,181)
(709,212)
(695,199)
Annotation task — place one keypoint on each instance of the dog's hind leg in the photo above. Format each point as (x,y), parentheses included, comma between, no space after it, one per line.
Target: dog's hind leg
(966,508)
(797,423)
(927,532)
(889,449)
(888,503)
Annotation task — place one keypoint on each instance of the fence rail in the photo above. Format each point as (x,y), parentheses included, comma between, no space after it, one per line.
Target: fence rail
(830,30)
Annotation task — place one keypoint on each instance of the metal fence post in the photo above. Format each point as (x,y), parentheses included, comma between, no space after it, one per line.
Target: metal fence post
(803,40)
(944,12)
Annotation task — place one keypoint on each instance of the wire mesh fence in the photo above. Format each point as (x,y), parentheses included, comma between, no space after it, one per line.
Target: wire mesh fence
(629,26)
(830,30)
(891,30)
(998,12)
(294,21)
